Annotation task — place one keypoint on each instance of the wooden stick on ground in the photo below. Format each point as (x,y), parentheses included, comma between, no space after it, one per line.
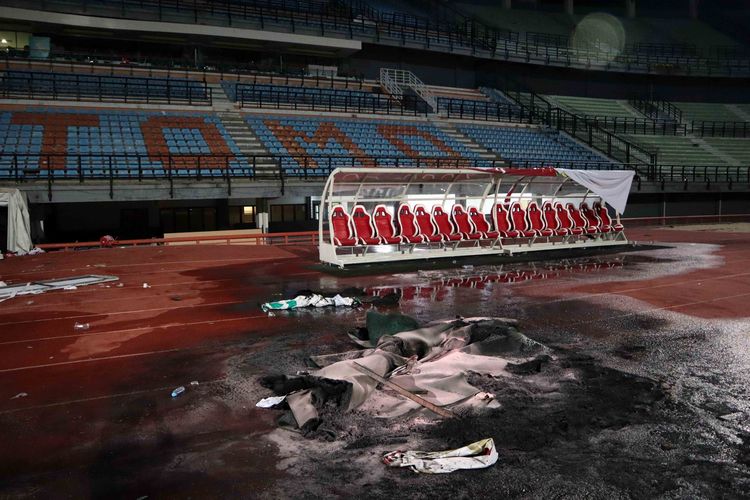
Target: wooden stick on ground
(417,399)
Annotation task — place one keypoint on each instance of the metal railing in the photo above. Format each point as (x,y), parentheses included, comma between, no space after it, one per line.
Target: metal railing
(657,108)
(72,86)
(586,131)
(277,239)
(467,35)
(466,109)
(719,129)
(397,81)
(306,98)
(643,126)
(138,167)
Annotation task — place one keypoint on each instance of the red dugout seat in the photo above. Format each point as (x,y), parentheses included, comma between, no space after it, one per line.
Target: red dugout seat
(566,222)
(364,231)
(536,222)
(463,223)
(426,225)
(443,223)
(593,219)
(384,226)
(520,221)
(502,222)
(603,214)
(551,220)
(481,224)
(341,225)
(408,223)
(580,221)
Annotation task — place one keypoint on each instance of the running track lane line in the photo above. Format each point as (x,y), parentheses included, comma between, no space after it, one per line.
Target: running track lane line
(130,330)
(108,396)
(98,290)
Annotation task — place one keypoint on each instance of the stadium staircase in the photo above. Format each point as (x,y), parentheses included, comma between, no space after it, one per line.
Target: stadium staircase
(398,81)
(249,144)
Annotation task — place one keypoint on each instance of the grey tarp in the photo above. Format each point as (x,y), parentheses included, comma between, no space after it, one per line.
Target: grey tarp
(433,361)
(19,226)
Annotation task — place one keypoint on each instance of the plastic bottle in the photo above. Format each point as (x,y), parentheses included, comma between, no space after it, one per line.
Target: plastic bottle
(178,391)
(81,326)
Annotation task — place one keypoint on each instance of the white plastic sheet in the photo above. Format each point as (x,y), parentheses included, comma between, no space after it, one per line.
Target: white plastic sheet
(477,455)
(19,226)
(613,186)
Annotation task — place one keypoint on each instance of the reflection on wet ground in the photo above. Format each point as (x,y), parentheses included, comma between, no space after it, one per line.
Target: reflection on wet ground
(437,287)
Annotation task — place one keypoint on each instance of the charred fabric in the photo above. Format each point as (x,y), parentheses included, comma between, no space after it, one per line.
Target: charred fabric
(401,368)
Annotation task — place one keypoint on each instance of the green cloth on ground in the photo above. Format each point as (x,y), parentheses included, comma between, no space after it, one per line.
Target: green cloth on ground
(388,324)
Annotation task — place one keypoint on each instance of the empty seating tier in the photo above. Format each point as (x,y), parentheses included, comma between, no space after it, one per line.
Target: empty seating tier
(95,143)
(312,146)
(72,86)
(265,95)
(532,147)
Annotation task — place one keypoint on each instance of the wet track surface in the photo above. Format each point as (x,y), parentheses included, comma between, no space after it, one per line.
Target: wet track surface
(646,394)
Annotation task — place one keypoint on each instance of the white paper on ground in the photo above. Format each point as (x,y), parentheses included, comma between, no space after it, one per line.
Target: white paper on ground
(478,455)
(270,402)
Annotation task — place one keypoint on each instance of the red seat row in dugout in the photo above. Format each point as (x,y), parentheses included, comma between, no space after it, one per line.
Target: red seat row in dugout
(511,221)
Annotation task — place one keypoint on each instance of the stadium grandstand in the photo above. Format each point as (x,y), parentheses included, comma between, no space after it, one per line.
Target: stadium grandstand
(150,121)
(172,129)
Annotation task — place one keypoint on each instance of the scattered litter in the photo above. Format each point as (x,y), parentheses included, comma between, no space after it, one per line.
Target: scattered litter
(468,266)
(176,298)
(81,326)
(100,265)
(478,455)
(270,402)
(2,283)
(194,383)
(20,395)
(36,287)
(178,391)
(311,300)
(119,285)
(35,251)
(29,302)
(146,285)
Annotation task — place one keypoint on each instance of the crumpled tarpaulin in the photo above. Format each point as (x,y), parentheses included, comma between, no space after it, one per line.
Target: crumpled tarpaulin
(478,455)
(312,300)
(433,362)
